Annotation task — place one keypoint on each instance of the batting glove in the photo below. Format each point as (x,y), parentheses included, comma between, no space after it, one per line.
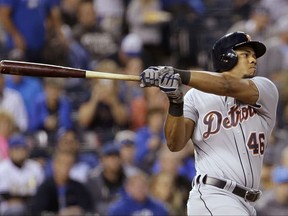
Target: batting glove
(150,76)
(170,85)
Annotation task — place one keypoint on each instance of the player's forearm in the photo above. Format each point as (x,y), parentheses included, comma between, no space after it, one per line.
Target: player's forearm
(210,82)
(174,129)
(224,84)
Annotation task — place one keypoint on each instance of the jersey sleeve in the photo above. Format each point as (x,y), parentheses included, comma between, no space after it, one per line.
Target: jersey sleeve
(268,96)
(189,110)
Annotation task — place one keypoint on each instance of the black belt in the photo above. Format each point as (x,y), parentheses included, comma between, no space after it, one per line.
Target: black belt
(249,195)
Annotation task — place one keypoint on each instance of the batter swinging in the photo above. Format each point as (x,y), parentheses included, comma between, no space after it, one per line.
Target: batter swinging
(229,115)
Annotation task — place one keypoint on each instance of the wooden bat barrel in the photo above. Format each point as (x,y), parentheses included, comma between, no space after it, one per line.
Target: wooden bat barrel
(39,70)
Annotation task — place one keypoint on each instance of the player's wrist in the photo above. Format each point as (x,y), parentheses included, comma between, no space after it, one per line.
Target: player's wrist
(184,74)
(176,109)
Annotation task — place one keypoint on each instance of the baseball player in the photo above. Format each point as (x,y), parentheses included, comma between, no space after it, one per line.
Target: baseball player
(229,114)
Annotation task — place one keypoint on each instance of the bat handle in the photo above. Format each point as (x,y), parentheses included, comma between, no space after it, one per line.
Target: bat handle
(113,76)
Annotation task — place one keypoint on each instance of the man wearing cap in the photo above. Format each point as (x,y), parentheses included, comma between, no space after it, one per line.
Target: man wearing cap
(59,193)
(19,177)
(105,182)
(137,200)
(229,114)
(125,139)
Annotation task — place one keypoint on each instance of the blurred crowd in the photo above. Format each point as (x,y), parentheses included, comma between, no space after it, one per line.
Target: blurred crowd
(72,146)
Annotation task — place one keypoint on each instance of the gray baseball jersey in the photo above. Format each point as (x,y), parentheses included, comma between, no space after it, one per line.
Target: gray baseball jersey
(230,138)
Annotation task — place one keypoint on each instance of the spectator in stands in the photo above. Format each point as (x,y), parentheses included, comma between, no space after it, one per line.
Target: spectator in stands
(169,162)
(163,187)
(25,25)
(12,102)
(98,43)
(149,139)
(105,182)
(52,110)
(7,128)
(29,88)
(68,10)
(131,47)
(103,113)
(275,202)
(136,200)
(125,139)
(111,16)
(144,18)
(69,141)
(258,25)
(19,176)
(59,193)
(180,40)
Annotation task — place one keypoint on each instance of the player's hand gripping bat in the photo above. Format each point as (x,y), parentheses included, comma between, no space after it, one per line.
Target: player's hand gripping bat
(46,70)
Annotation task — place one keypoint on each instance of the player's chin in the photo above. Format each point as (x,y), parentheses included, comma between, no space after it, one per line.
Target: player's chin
(249,76)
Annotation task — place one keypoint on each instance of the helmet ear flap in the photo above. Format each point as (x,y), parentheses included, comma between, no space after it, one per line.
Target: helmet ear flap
(228,60)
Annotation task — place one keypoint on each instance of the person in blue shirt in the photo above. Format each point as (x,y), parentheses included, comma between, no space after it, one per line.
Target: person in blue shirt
(52,110)
(25,24)
(149,139)
(136,199)
(59,193)
(84,160)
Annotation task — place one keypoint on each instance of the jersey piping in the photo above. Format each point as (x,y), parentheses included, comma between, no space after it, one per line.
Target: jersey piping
(249,159)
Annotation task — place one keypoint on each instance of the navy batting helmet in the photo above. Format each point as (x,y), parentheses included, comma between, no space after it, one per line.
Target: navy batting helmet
(224,56)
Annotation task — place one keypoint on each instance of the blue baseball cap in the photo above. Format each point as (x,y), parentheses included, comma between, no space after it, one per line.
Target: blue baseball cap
(17,141)
(280,175)
(110,149)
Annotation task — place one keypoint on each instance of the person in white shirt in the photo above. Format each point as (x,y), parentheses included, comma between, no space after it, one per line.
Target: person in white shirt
(19,177)
(12,102)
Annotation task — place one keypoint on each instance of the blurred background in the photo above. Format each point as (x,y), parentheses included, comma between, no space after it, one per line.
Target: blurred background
(77,146)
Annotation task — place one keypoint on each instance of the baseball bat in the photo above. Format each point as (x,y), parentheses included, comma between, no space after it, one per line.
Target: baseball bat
(47,70)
